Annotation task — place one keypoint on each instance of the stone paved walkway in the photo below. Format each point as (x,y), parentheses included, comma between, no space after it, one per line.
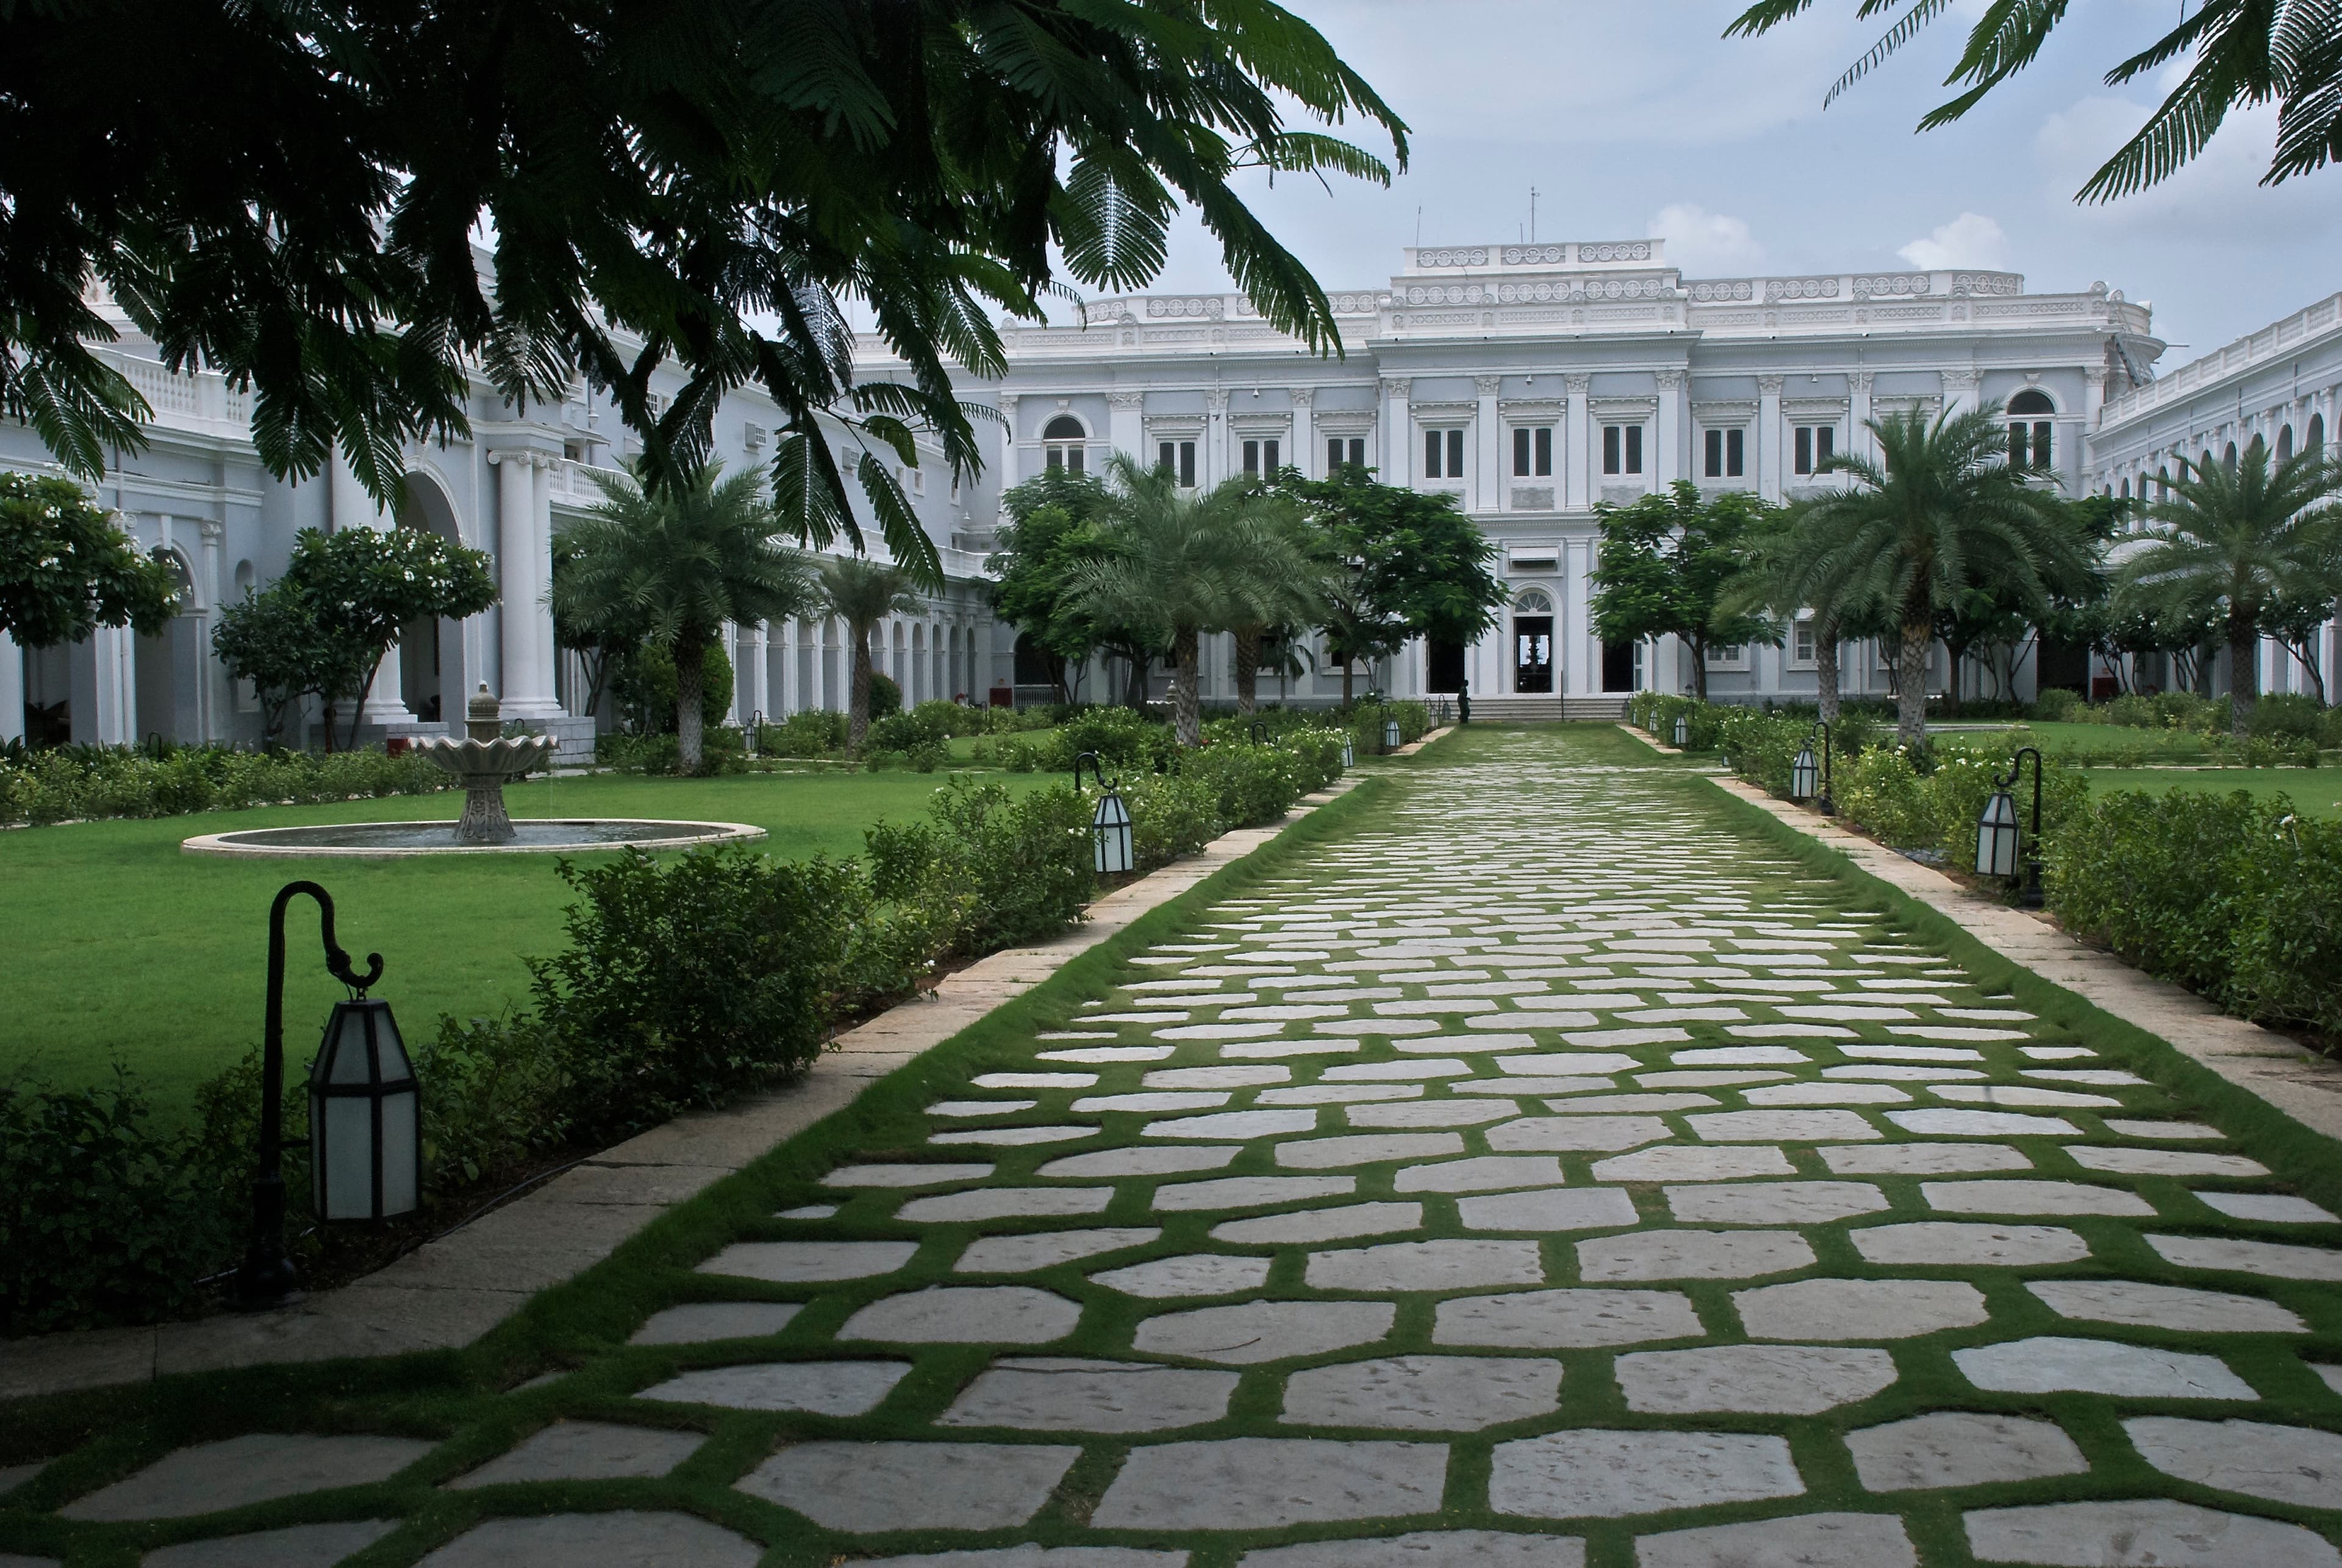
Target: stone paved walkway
(1543,1174)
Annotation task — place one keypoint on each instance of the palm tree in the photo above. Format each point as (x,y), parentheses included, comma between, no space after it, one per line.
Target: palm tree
(2237,545)
(1941,510)
(1289,581)
(1799,568)
(1180,565)
(680,564)
(862,593)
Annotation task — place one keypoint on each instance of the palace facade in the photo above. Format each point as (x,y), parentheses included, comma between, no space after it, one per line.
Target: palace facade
(1531,381)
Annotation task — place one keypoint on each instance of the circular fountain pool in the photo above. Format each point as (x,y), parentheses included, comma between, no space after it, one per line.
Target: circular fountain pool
(397,839)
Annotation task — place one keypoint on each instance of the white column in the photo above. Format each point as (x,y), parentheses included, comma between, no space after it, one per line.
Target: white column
(817,685)
(114,650)
(1126,424)
(540,571)
(1216,465)
(1304,434)
(1670,431)
(385,702)
(1577,453)
(1959,391)
(1489,452)
(1008,474)
(211,675)
(1399,432)
(12,690)
(516,584)
(1768,436)
(1858,441)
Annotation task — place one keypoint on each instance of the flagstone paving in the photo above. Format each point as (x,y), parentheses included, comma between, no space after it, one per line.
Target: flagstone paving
(1541,1173)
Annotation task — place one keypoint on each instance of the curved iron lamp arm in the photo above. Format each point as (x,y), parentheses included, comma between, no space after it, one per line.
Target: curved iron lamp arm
(2031,896)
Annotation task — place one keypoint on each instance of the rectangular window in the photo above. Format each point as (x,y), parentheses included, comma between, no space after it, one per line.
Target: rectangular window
(1533,451)
(1612,445)
(1545,450)
(1455,454)
(1805,641)
(1177,457)
(1252,457)
(1432,447)
(1269,463)
(1814,444)
(1634,449)
(1805,457)
(1333,455)
(1443,454)
(1521,451)
(1713,468)
(1735,444)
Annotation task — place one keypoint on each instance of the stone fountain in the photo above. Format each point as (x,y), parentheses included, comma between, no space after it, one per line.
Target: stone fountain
(484,761)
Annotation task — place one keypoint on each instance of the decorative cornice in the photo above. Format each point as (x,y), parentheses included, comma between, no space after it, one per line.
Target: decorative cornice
(1398,386)
(1577,381)
(1668,380)
(1303,397)
(1960,380)
(1861,381)
(212,529)
(1126,400)
(1215,400)
(1770,386)
(1487,386)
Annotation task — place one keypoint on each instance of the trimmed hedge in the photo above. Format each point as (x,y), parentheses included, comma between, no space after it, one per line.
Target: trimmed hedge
(70,783)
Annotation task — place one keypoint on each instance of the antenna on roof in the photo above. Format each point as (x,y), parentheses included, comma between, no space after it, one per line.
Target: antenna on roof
(1533,195)
(1419,225)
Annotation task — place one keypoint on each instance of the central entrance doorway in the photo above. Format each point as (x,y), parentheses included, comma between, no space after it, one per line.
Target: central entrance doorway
(1533,642)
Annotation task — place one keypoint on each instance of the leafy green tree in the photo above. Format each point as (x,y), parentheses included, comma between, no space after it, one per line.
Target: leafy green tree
(276,640)
(1052,528)
(2243,543)
(604,636)
(703,194)
(66,570)
(2242,53)
(862,593)
(1939,512)
(1408,564)
(1292,583)
(1996,617)
(363,587)
(1666,565)
(1179,565)
(685,561)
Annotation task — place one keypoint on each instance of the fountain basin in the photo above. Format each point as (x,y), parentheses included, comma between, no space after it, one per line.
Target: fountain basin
(531,835)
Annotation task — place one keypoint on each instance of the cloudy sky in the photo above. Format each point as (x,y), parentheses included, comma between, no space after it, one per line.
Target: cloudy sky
(1640,119)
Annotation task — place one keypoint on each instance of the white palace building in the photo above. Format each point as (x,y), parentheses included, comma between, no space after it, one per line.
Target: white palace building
(1529,380)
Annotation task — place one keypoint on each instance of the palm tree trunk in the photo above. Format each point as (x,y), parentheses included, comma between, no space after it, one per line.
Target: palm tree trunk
(1911,682)
(1187,701)
(857,691)
(1247,667)
(2244,673)
(1826,668)
(690,681)
(1345,682)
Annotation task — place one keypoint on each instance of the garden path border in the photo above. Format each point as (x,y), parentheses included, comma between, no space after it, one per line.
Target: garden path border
(449,1292)
(2288,1077)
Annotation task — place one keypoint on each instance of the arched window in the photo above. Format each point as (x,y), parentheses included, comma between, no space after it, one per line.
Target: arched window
(2314,441)
(1534,601)
(2285,443)
(2229,458)
(2163,484)
(2126,489)
(1065,436)
(2203,461)
(2031,439)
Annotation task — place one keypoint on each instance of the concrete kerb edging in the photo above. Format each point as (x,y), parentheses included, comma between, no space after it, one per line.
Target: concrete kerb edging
(2289,1078)
(450,1292)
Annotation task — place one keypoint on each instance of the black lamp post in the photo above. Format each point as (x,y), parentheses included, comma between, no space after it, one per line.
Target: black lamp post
(755,725)
(1998,842)
(1806,774)
(1464,701)
(1258,733)
(268,1274)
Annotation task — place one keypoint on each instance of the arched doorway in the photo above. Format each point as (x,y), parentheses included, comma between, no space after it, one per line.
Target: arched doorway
(1533,642)
(168,667)
(430,652)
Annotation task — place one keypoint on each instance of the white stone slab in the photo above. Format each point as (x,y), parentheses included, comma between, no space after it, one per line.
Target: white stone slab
(1279,1050)
(295,1546)
(1139,1161)
(866,1487)
(911,1175)
(1980,1124)
(2272,1260)
(1268,1483)
(2163,1162)
(1233,1124)
(1484,1173)
(2052,1363)
(1595,1475)
(1896,1072)
(1596,1104)
(1034,1080)
(1216,1031)
(1307,1225)
(809,1263)
(1741,1056)
(814,1387)
(623,1538)
(1912,1053)
(1921,1159)
(1374,1149)
(966,1314)
(2017,1094)
(1248,1192)
(1689,1254)
(1431,1114)
(1428,1548)
(586,1451)
(1692,1163)
(1702,1078)
(1407,1072)
(1337,1093)
(1047,1249)
(1806,1541)
(1549,1210)
(2162,1130)
(1424,1393)
(1106,1052)
(1254,1331)
(2173,1307)
(259,1467)
(1761,1379)
(1840,1310)
(1943,1243)
(1574,1133)
(1990,1197)
(998,1204)
(1190,1274)
(2143,1533)
(2269,1208)
(966,1108)
(1565,1319)
(1832,1093)
(1467,1264)
(1015,1137)
(1545,1063)
(2300,1466)
(1152,1100)
(1774,1203)
(1065,1393)
(1782,1126)
(1961,1448)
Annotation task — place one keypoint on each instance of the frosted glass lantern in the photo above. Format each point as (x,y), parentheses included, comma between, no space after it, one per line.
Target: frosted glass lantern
(1110,834)
(1996,836)
(1805,774)
(365,1122)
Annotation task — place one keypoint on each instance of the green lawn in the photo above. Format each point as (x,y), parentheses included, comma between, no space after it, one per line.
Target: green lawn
(120,946)
(2314,791)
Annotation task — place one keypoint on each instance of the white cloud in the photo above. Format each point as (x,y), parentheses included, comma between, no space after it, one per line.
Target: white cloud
(2216,198)
(1969,240)
(1704,243)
